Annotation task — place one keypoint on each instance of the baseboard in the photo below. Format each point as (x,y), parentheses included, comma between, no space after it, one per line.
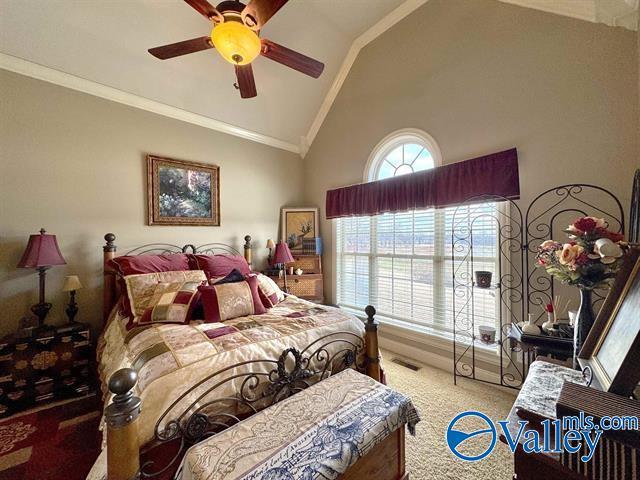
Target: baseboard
(426,355)
(418,354)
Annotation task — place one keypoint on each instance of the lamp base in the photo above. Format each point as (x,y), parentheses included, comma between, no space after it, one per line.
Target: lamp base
(72,307)
(41,310)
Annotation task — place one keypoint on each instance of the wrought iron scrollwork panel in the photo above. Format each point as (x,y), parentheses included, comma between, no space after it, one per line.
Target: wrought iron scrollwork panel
(520,287)
(547,217)
(208,408)
(168,249)
(495,221)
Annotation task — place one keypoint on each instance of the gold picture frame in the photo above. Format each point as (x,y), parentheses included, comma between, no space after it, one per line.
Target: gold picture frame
(181,192)
(297,223)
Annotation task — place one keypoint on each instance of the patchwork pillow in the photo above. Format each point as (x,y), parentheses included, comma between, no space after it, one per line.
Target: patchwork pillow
(221,265)
(140,264)
(197,312)
(269,291)
(231,300)
(142,291)
(173,305)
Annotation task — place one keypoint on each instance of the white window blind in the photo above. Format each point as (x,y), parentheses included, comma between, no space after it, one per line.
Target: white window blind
(402,264)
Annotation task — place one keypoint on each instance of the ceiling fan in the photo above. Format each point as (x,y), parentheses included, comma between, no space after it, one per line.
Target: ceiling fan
(236,35)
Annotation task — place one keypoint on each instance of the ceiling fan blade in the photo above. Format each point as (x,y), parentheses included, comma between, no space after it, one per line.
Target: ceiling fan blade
(258,12)
(205,9)
(181,48)
(291,58)
(246,83)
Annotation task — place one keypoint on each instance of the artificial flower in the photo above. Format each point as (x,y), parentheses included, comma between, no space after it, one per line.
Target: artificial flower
(550,244)
(591,257)
(588,224)
(569,254)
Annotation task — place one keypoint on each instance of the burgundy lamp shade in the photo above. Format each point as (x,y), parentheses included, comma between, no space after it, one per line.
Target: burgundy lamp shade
(283,254)
(42,251)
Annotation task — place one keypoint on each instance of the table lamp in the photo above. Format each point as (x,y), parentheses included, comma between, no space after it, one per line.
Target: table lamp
(71,285)
(42,253)
(281,257)
(270,245)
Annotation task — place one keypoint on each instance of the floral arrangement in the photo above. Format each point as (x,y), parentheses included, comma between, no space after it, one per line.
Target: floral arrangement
(590,258)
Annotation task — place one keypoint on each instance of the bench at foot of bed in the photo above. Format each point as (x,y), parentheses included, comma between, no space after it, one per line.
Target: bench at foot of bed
(347,426)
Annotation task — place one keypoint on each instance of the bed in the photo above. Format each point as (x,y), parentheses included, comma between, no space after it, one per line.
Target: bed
(169,386)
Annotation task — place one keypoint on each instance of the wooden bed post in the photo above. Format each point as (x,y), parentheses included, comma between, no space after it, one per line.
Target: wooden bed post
(123,448)
(247,249)
(109,288)
(371,339)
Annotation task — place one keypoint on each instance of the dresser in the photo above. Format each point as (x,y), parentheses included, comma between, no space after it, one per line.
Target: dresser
(52,364)
(309,285)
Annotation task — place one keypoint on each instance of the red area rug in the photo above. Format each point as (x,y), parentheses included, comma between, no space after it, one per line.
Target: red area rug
(56,443)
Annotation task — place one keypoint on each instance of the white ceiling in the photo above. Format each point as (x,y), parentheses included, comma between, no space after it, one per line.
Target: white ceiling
(106,41)
(100,47)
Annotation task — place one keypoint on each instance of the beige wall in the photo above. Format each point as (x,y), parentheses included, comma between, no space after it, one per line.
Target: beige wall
(481,76)
(74,164)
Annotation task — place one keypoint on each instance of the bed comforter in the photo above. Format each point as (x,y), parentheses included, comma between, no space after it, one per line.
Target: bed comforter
(170,359)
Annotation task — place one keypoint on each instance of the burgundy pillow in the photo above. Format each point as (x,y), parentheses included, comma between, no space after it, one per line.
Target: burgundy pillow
(231,300)
(131,265)
(221,265)
(135,264)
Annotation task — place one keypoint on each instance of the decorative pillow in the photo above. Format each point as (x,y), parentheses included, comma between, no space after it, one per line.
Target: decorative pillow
(234,276)
(269,291)
(197,310)
(139,264)
(173,305)
(142,290)
(221,265)
(231,300)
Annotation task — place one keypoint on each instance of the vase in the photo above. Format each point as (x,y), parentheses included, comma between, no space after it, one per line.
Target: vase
(584,321)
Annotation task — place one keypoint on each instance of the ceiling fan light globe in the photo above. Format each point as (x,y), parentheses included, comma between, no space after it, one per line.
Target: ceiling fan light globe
(236,42)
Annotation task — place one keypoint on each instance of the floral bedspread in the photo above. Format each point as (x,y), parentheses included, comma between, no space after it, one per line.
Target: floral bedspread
(315,434)
(170,359)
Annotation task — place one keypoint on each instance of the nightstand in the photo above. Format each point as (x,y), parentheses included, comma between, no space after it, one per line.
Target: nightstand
(51,364)
(309,285)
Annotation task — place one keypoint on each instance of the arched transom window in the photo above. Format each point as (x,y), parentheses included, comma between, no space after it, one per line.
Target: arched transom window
(402,152)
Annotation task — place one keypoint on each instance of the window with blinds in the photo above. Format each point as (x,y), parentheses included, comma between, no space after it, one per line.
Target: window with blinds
(402,263)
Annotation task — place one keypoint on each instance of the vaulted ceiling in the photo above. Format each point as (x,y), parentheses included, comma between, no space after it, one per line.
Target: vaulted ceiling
(100,47)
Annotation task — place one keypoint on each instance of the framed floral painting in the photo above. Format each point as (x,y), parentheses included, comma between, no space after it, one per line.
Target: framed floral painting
(182,193)
(298,224)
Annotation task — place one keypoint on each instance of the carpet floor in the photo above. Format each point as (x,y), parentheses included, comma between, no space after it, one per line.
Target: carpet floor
(60,442)
(439,401)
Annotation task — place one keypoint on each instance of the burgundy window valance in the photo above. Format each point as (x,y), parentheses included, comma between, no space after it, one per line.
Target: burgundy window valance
(495,174)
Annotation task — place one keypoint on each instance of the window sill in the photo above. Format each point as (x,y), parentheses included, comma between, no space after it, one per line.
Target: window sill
(427,336)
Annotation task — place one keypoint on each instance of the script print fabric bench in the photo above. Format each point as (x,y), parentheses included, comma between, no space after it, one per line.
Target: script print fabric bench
(318,433)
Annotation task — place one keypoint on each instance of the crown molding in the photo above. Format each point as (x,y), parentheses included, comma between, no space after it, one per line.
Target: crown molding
(57,77)
(393,17)
(582,10)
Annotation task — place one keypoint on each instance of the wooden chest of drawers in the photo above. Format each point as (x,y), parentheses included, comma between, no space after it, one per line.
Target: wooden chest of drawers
(50,365)
(308,286)
(307,263)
